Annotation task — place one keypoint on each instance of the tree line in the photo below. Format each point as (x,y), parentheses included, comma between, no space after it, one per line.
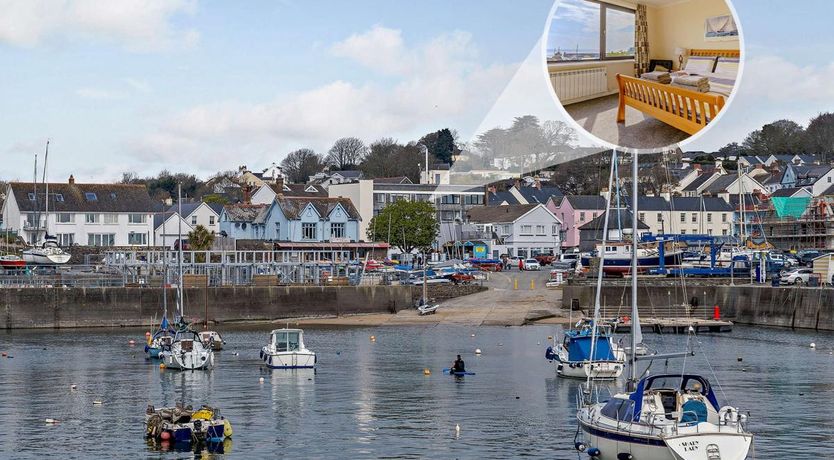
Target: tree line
(787,137)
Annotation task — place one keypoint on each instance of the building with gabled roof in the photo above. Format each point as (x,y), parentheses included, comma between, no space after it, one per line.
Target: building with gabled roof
(574,211)
(523,230)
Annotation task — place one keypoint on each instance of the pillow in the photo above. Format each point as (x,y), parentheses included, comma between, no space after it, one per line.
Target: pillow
(660,68)
(727,66)
(697,65)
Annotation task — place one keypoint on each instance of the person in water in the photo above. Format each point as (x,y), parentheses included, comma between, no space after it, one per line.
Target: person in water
(458,365)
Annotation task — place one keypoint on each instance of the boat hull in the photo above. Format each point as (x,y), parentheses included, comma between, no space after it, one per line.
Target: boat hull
(288,360)
(579,370)
(39,258)
(193,360)
(619,265)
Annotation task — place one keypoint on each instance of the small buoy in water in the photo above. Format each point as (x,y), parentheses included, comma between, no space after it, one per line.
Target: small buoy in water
(4,353)
(427,371)
(162,365)
(73,386)
(97,402)
(473,335)
(261,380)
(51,421)
(457,428)
(743,369)
(739,359)
(131,342)
(477,351)
(538,343)
(165,436)
(236,353)
(500,344)
(519,397)
(373,338)
(813,345)
(549,337)
(691,329)
(800,394)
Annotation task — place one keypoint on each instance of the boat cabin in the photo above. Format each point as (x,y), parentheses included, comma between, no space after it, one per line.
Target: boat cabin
(675,398)
(287,340)
(578,345)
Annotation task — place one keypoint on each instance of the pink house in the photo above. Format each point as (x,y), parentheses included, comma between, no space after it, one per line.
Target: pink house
(575,211)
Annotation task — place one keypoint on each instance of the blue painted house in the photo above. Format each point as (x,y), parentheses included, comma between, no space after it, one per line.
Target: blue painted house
(244,221)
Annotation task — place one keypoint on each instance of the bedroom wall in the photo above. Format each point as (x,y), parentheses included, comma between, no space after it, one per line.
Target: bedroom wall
(682,24)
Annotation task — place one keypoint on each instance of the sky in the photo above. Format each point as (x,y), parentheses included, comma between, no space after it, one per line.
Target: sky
(201,87)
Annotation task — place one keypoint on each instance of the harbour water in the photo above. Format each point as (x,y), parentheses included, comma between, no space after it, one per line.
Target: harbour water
(371,399)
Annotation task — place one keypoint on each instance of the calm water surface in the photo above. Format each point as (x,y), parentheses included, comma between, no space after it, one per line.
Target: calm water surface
(371,400)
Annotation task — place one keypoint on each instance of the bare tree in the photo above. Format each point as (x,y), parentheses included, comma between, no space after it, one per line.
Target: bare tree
(301,164)
(346,153)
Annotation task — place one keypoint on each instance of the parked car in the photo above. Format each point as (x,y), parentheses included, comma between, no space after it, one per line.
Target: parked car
(531,264)
(790,260)
(797,276)
(806,258)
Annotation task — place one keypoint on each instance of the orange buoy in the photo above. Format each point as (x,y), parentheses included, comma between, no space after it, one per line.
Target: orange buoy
(165,436)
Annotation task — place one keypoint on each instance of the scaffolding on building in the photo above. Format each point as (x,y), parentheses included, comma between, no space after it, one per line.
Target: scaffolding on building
(811,227)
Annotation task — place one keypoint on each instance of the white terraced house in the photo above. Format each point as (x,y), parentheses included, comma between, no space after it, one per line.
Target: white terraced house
(80,214)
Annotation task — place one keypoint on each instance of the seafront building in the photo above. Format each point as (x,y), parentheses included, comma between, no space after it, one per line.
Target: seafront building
(523,230)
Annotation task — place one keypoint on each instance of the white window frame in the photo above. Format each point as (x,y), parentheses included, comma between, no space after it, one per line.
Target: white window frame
(92,218)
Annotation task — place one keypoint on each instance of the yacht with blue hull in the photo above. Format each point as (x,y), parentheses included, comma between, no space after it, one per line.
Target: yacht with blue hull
(668,417)
(286,350)
(573,356)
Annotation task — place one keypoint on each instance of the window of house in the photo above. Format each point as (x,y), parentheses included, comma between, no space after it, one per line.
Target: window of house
(723,217)
(308,231)
(136,238)
(337,230)
(683,231)
(584,30)
(724,232)
(379,197)
(709,231)
(110,218)
(101,239)
(278,229)
(540,230)
(694,217)
(91,218)
(65,239)
(660,217)
(31,196)
(683,218)
(90,196)
(60,198)
(211,220)
(709,217)
(65,218)
(447,216)
(506,229)
(555,229)
(136,218)
(526,229)
(582,216)
(193,220)
(641,216)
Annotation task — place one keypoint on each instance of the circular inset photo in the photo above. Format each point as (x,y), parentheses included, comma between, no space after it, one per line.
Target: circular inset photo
(644,75)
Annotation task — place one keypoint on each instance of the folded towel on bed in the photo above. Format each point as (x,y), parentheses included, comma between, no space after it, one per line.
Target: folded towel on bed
(700,89)
(695,82)
(660,77)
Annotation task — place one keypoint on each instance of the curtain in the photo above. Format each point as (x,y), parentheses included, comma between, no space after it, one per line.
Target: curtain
(641,41)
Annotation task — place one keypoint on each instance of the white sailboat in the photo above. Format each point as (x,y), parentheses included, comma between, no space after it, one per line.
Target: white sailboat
(47,251)
(661,417)
(187,349)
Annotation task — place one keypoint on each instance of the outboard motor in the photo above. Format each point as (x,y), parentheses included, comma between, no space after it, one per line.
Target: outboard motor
(549,354)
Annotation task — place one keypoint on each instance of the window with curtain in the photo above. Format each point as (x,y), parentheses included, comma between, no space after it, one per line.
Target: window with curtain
(589,30)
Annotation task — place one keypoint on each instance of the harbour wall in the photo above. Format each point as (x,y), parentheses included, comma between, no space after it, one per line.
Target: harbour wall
(138,306)
(795,307)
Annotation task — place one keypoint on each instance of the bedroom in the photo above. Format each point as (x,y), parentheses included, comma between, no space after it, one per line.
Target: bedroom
(647,74)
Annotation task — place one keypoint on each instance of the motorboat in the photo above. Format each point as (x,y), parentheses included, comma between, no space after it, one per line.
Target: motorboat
(427,309)
(674,417)
(286,350)
(212,340)
(187,352)
(182,425)
(617,260)
(573,356)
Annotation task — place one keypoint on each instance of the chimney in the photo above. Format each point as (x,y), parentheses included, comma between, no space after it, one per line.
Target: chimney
(697,167)
(538,183)
(279,182)
(247,194)
(71,179)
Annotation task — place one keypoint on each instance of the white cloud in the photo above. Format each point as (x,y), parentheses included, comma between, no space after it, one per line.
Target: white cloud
(777,79)
(437,83)
(98,94)
(138,25)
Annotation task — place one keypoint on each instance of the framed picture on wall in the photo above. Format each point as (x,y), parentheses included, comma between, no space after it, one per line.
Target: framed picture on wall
(720,28)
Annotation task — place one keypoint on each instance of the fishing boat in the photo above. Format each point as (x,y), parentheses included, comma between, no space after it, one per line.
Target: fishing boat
(182,425)
(46,252)
(212,340)
(286,350)
(661,417)
(618,257)
(573,356)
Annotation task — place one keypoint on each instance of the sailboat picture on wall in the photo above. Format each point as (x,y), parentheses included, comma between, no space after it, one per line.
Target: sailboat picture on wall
(720,28)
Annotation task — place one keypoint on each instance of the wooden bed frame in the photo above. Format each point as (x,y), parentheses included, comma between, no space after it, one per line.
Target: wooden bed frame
(687,110)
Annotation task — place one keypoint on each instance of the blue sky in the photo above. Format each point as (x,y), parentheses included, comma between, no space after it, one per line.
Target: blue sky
(203,86)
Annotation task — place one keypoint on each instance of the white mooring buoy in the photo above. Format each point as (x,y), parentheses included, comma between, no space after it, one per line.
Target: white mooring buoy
(813,345)
(477,351)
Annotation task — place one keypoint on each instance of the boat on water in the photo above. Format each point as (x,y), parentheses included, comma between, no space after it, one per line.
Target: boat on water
(660,417)
(286,350)
(187,352)
(183,425)
(161,340)
(573,356)
(212,340)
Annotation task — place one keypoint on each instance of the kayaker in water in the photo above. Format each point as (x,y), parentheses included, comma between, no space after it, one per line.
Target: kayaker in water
(458,365)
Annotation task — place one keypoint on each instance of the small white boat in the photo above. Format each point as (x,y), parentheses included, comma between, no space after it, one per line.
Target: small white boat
(286,350)
(427,309)
(212,340)
(188,353)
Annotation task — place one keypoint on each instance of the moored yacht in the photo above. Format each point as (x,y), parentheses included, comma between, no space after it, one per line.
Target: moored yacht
(187,352)
(286,350)
(212,340)
(573,356)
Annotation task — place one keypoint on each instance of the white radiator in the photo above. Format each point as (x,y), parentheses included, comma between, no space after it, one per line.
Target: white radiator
(576,85)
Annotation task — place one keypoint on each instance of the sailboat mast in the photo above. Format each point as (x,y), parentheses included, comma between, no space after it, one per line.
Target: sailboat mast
(37,222)
(164,266)
(635,322)
(179,250)
(46,196)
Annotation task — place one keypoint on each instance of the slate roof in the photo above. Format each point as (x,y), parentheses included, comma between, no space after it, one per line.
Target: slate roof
(299,190)
(753,159)
(66,197)
(829,191)
(495,199)
(393,180)
(720,184)
(252,213)
(539,195)
(189,208)
(697,182)
(683,203)
(749,200)
(786,192)
(292,207)
(498,214)
(349,173)
(586,201)
(613,222)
